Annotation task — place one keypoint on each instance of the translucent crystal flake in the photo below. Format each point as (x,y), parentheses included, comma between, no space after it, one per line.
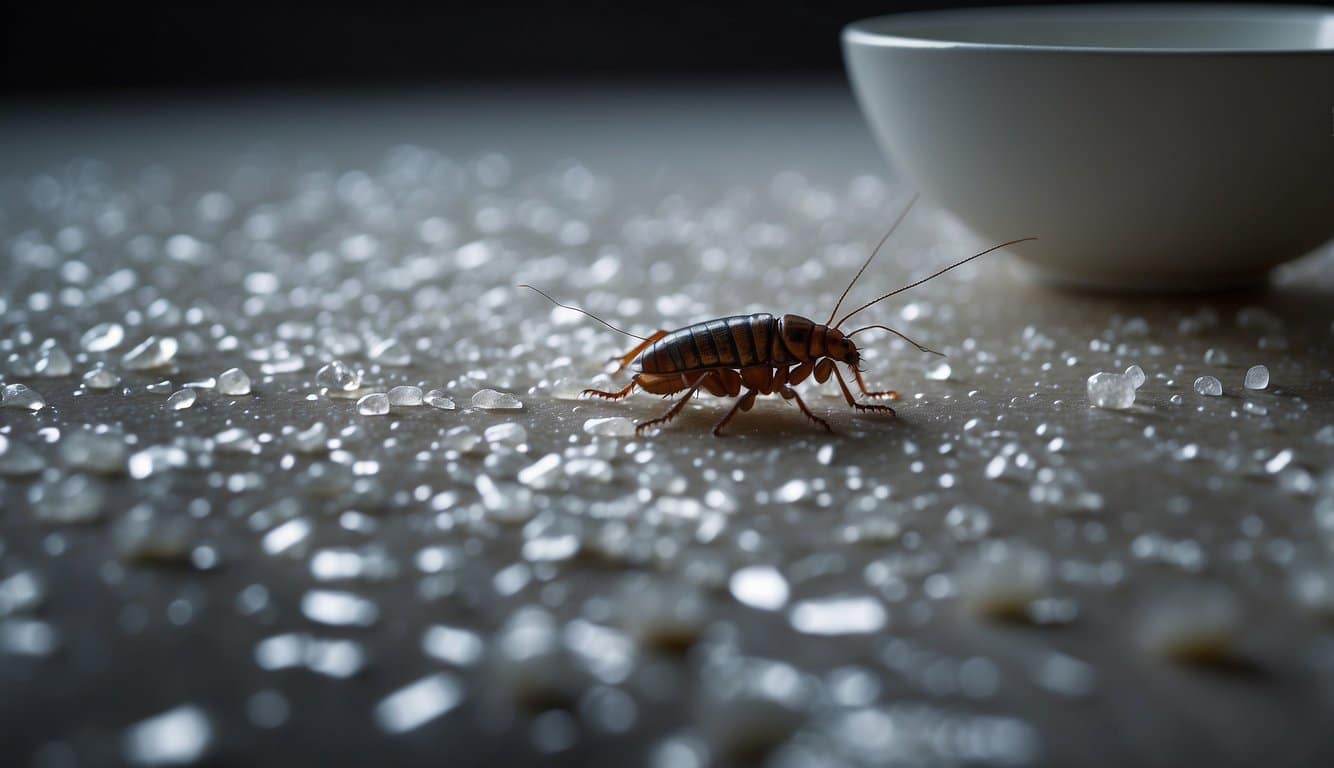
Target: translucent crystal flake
(1002,578)
(1257,377)
(338,377)
(154,352)
(102,337)
(839,615)
(233,381)
(180,736)
(390,352)
(100,378)
(507,434)
(339,609)
(1215,356)
(374,404)
(418,703)
(1114,391)
(1209,386)
(53,363)
(437,399)
(614,426)
(939,371)
(20,396)
(1194,623)
(181,399)
(490,399)
(1136,376)
(759,586)
(163,387)
(405,396)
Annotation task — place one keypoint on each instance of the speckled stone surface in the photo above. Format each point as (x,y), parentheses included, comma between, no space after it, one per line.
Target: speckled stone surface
(287,568)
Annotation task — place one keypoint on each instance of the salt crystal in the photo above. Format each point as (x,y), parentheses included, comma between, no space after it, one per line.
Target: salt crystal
(543,473)
(489,399)
(939,372)
(20,396)
(374,404)
(759,586)
(437,399)
(181,399)
(1136,376)
(405,396)
(179,736)
(102,337)
(339,609)
(53,363)
(1215,356)
(390,352)
(1257,377)
(233,381)
(614,426)
(1195,623)
(27,637)
(103,452)
(1114,391)
(338,377)
(839,615)
(1003,578)
(236,440)
(419,703)
(153,353)
(506,434)
(459,647)
(163,387)
(100,378)
(461,439)
(312,440)
(1209,386)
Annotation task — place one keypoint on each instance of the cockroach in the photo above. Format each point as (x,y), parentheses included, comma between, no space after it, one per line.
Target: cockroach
(744,356)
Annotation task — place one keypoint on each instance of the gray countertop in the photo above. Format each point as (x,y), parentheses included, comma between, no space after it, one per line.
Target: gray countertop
(1001,574)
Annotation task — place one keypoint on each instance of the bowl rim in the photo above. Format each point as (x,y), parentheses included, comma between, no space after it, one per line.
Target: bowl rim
(880,31)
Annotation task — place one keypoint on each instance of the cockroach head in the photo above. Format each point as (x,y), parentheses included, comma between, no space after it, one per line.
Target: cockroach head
(841,348)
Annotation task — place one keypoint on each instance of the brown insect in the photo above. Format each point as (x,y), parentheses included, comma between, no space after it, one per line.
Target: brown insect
(760,354)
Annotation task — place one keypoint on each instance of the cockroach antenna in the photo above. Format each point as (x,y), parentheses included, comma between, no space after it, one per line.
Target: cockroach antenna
(547,296)
(902,215)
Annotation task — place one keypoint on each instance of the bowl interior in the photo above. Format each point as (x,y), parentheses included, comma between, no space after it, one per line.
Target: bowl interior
(1142,27)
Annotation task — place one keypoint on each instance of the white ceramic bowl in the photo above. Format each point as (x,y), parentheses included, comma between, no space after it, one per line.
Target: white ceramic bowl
(1177,147)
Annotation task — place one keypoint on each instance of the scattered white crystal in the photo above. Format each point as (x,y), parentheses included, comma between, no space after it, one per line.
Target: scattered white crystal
(339,609)
(374,404)
(315,439)
(405,396)
(1257,377)
(437,399)
(163,387)
(101,452)
(337,377)
(839,615)
(508,433)
(1002,578)
(181,399)
(1136,376)
(100,378)
(53,363)
(289,537)
(153,353)
(462,439)
(390,352)
(1196,623)
(1215,356)
(759,586)
(452,645)
(233,381)
(21,592)
(179,736)
(102,337)
(614,426)
(1209,386)
(419,703)
(489,399)
(236,440)
(74,498)
(543,473)
(20,396)
(939,371)
(27,637)
(1113,391)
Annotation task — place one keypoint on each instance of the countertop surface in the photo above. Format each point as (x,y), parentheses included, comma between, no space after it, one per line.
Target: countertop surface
(1000,574)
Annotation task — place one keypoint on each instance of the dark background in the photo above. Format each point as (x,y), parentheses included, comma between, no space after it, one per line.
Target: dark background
(67,49)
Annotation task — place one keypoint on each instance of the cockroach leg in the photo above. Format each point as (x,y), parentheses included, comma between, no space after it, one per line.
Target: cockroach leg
(847,394)
(789,393)
(675,409)
(744,403)
(888,394)
(617,395)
